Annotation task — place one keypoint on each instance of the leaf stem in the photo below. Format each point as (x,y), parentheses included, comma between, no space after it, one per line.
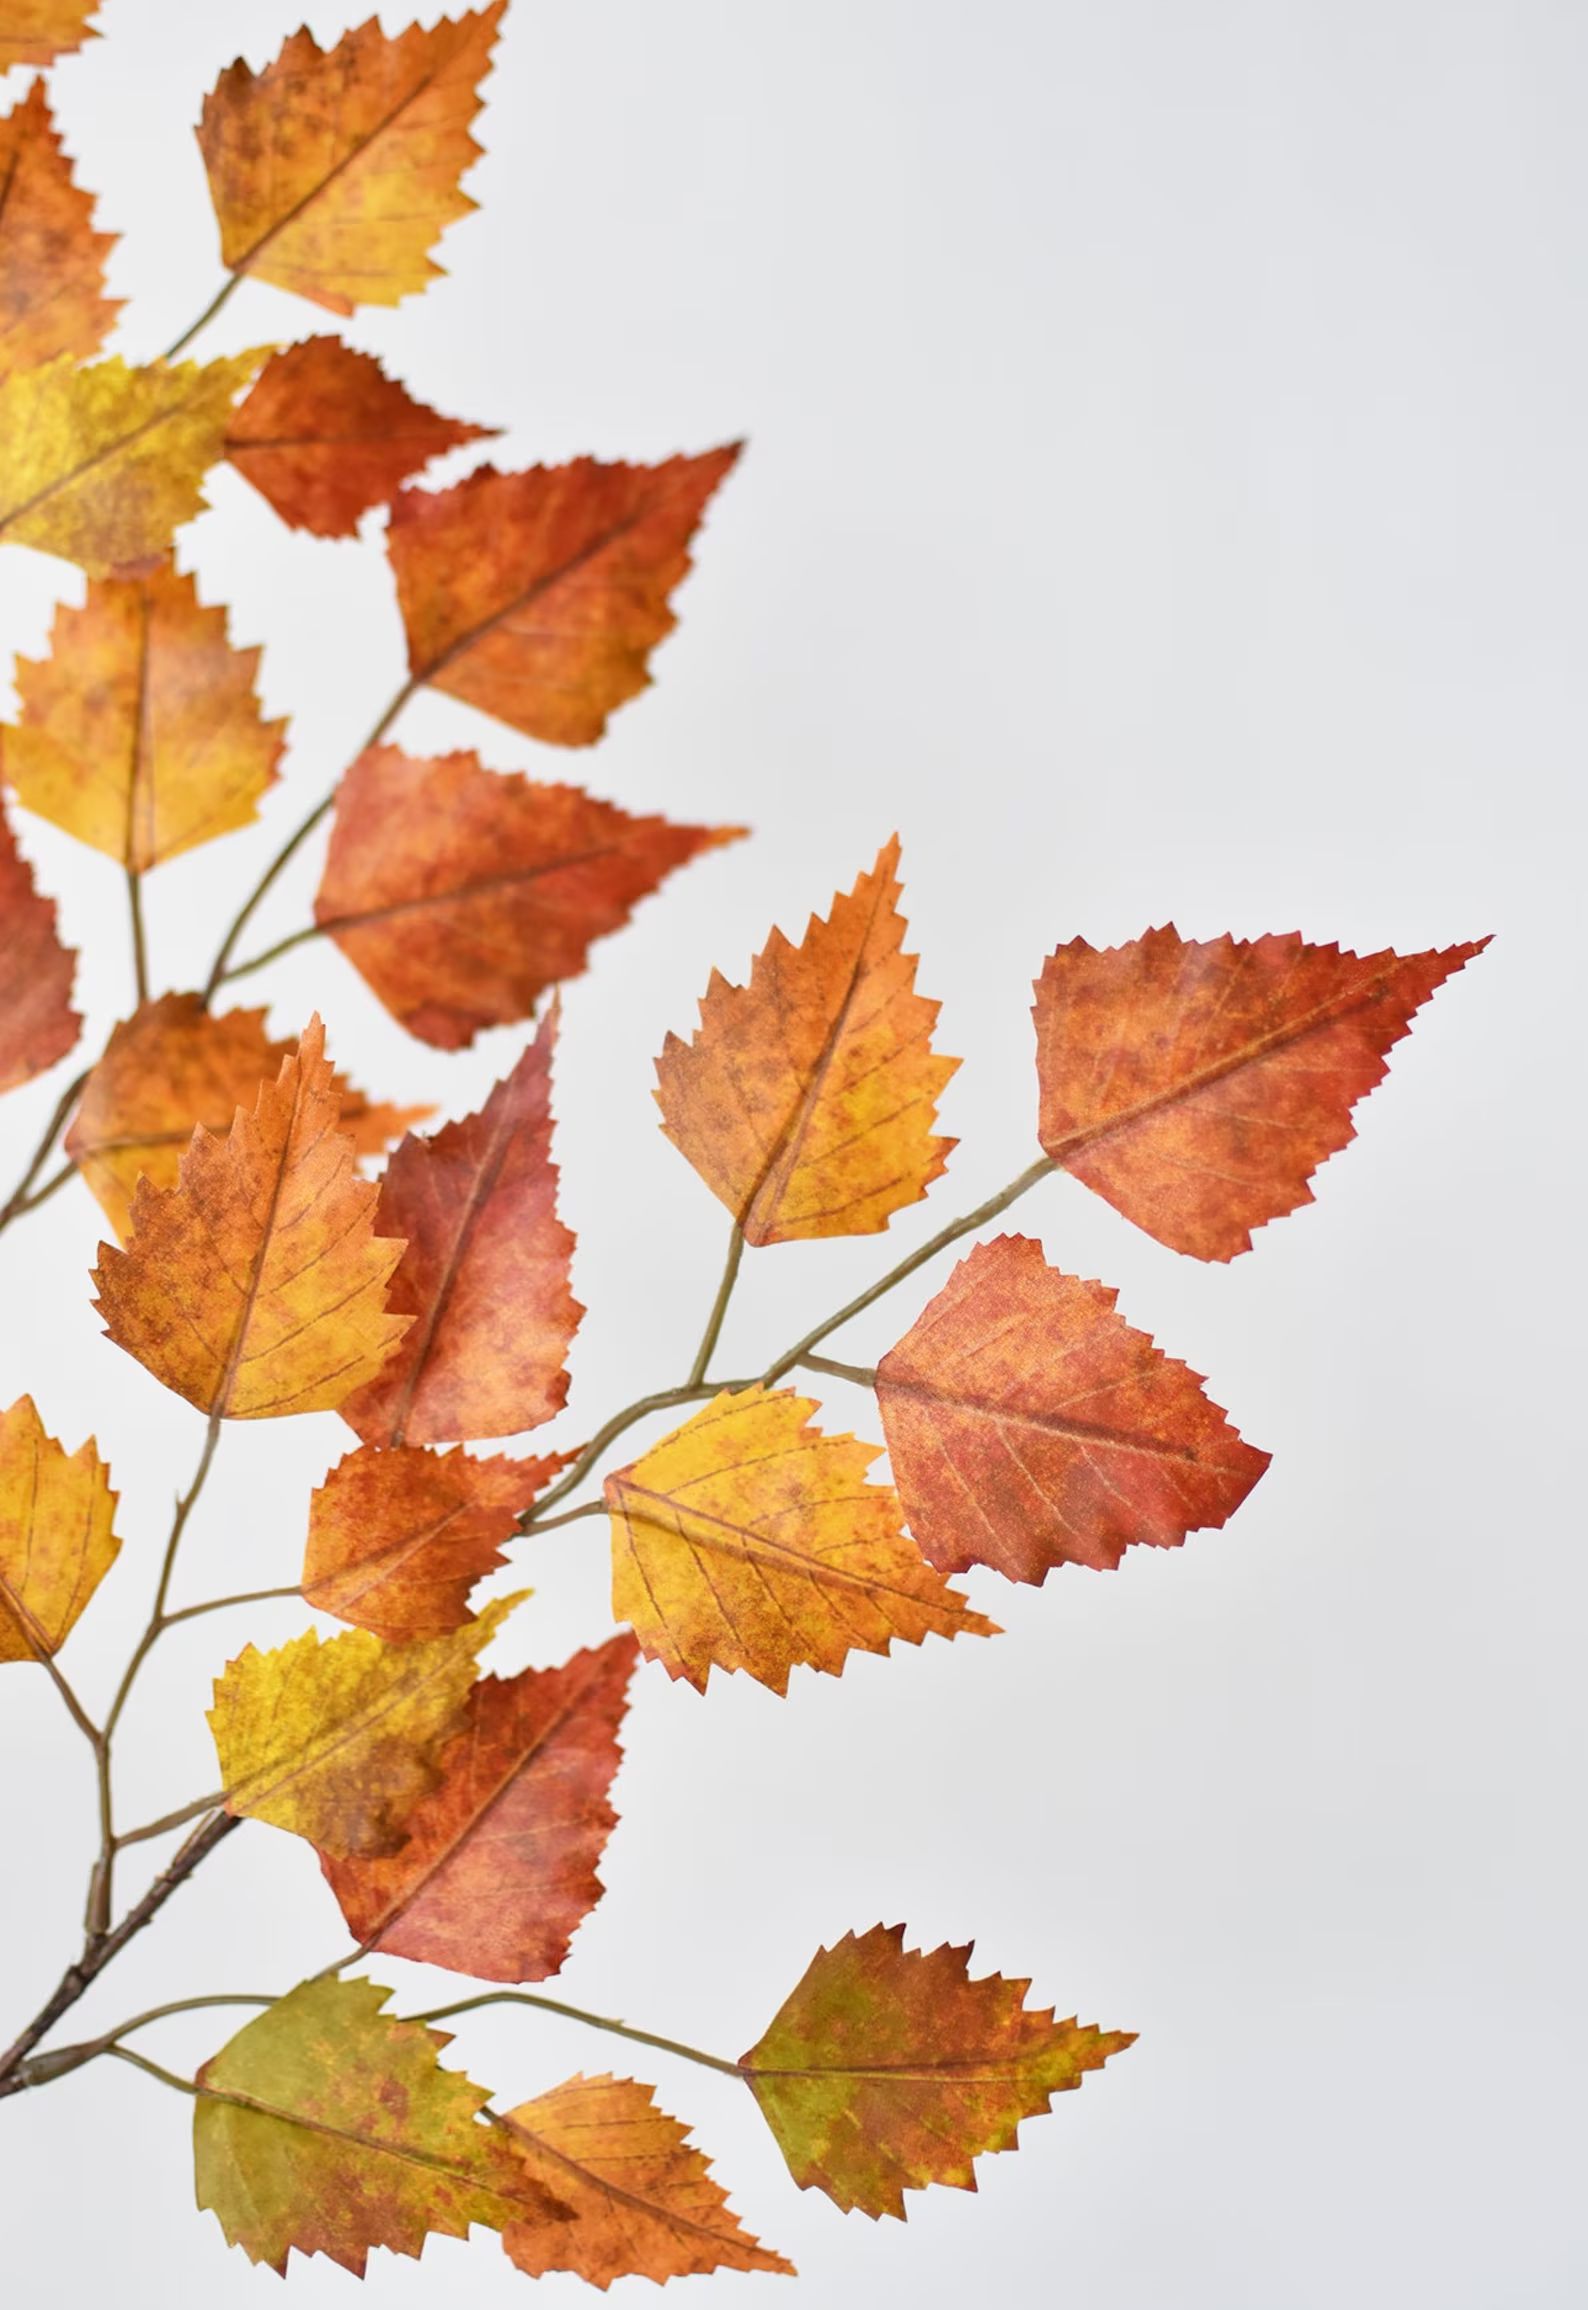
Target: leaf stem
(183,1814)
(719,1307)
(270,954)
(863,1375)
(153,2069)
(800,1352)
(45,2068)
(572,1515)
(663,1400)
(22,1198)
(223,1603)
(140,944)
(591,2021)
(180,344)
(219,969)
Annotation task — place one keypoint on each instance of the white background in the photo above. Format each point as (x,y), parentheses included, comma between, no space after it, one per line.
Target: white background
(1166,498)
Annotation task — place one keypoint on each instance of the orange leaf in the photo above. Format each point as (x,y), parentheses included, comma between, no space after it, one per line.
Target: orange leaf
(141,732)
(56,1538)
(37,31)
(100,465)
(1028,1425)
(539,596)
(398,1538)
(485,1274)
(1197,1086)
(748,1539)
(174,1065)
(37,1022)
(498,1869)
(806,1100)
(325,434)
(888,2069)
(643,2202)
(52,262)
(461,893)
(335,172)
(338,1741)
(257,1285)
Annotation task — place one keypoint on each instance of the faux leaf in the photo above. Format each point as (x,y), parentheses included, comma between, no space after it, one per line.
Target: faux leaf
(806,1099)
(37,1022)
(539,596)
(330,2126)
(748,1539)
(174,1065)
(338,1741)
(56,1538)
(461,894)
(1028,1425)
(257,1285)
(398,1538)
(325,434)
(101,465)
(52,262)
(1197,1085)
(484,1276)
(335,172)
(37,31)
(642,2201)
(141,732)
(888,2069)
(499,1867)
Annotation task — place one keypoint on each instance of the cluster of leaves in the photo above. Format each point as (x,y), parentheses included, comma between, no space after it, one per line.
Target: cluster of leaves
(460,1818)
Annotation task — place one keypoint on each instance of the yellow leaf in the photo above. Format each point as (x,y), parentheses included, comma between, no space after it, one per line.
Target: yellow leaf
(101,465)
(747,1539)
(56,1541)
(338,1741)
(806,1099)
(334,173)
(257,1285)
(141,732)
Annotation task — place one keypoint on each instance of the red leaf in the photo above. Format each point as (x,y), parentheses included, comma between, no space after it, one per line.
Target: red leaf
(37,1022)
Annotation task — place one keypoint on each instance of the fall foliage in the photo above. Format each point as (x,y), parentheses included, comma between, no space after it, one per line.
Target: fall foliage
(461,1819)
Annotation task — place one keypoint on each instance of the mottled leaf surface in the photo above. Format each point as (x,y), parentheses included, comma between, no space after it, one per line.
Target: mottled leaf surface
(748,1539)
(52,262)
(329,2127)
(1197,1085)
(806,1099)
(499,1867)
(889,2068)
(37,1022)
(57,1537)
(1029,1425)
(641,2200)
(461,894)
(539,596)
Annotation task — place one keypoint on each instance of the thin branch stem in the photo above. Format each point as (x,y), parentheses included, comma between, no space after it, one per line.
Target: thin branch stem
(863,1375)
(52,1186)
(224,1603)
(99,1950)
(180,344)
(571,1515)
(140,943)
(591,2021)
(800,1352)
(269,954)
(22,1198)
(220,968)
(153,2069)
(719,1307)
(45,2068)
(604,1437)
(183,1814)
